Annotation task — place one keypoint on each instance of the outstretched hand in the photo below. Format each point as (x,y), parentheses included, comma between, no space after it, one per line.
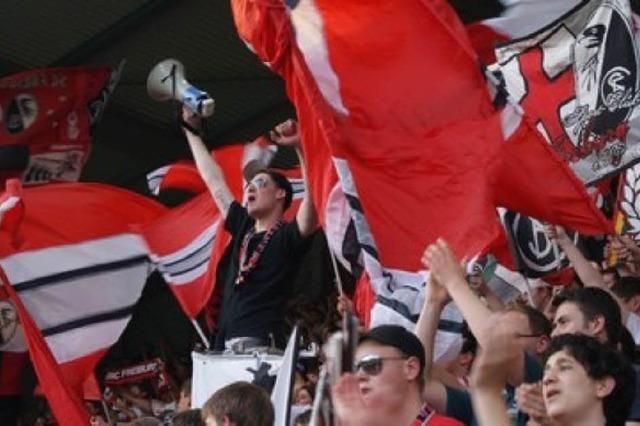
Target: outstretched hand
(192,119)
(286,134)
(530,401)
(347,400)
(492,365)
(557,233)
(442,263)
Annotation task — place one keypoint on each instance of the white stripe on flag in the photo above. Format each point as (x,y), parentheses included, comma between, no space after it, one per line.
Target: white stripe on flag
(31,265)
(154,179)
(189,262)
(83,341)
(309,36)
(95,293)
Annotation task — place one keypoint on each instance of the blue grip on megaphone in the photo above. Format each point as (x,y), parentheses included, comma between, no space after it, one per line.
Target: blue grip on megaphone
(193,99)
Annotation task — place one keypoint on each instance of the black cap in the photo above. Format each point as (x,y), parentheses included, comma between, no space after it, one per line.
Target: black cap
(397,337)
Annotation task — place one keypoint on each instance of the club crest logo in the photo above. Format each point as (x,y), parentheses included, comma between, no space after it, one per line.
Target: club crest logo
(8,323)
(21,113)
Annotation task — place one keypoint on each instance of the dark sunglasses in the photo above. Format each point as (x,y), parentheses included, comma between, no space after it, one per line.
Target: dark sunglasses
(372,364)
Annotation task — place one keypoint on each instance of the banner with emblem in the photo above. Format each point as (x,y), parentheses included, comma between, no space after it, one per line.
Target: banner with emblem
(46,120)
(578,79)
(627,214)
(535,255)
(212,372)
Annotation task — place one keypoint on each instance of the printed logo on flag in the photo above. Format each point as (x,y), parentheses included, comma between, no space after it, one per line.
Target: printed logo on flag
(8,323)
(60,166)
(578,79)
(597,119)
(21,113)
(537,254)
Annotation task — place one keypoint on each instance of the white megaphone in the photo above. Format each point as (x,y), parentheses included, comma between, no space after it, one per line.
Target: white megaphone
(166,81)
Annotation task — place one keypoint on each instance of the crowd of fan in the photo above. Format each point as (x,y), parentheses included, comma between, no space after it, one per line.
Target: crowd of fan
(562,355)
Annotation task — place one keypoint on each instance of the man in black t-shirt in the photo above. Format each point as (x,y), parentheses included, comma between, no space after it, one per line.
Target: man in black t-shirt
(263,244)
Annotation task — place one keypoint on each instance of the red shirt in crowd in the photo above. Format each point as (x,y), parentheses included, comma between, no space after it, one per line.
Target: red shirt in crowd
(428,417)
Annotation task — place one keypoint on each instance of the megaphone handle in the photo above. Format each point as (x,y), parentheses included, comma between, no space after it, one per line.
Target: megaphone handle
(199,132)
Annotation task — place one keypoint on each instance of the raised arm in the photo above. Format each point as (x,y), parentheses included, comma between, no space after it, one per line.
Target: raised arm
(286,134)
(490,372)
(589,275)
(435,298)
(209,170)
(443,264)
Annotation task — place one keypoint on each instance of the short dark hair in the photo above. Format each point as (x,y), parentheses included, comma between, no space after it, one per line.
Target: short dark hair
(612,270)
(469,341)
(243,403)
(626,287)
(600,361)
(188,418)
(283,183)
(538,322)
(592,302)
(303,418)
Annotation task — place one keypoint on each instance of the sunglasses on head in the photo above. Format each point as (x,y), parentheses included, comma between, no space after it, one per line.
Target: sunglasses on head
(372,364)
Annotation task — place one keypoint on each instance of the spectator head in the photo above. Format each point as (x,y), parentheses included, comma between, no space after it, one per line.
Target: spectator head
(184,401)
(584,378)
(238,404)
(538,331)
(268,190)
(303,419)
(389,365)
(628,289)
(460,366)
(591,311)
(188,418)
(610,276)
(304,395)
(541,293)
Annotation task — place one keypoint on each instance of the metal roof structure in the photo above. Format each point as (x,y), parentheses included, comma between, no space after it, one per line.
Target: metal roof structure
(137,134)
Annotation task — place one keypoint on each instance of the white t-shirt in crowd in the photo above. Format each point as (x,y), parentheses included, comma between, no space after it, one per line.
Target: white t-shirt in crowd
(633,325)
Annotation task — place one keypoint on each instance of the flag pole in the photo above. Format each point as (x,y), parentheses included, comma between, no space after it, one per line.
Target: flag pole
(204,339)
(336,272)
(106,411)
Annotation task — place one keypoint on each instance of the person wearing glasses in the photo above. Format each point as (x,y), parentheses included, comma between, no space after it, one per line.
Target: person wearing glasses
(386,387)
(264,246)
(585,382)
(447,281)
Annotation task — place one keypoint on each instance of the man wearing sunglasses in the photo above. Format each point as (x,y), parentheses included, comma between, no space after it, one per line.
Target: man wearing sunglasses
(264,246)
(386,388)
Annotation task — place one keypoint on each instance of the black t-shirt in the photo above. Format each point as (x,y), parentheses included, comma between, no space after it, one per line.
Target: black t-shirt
(255,308)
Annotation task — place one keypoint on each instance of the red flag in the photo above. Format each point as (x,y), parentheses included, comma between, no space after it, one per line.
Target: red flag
(62,398)
(414,159)
(47,119)
(577,80)
(75,277)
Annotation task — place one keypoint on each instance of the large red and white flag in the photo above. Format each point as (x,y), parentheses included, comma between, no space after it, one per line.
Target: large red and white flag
(423,158)
(74,271)
(577,79)
(46,120)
